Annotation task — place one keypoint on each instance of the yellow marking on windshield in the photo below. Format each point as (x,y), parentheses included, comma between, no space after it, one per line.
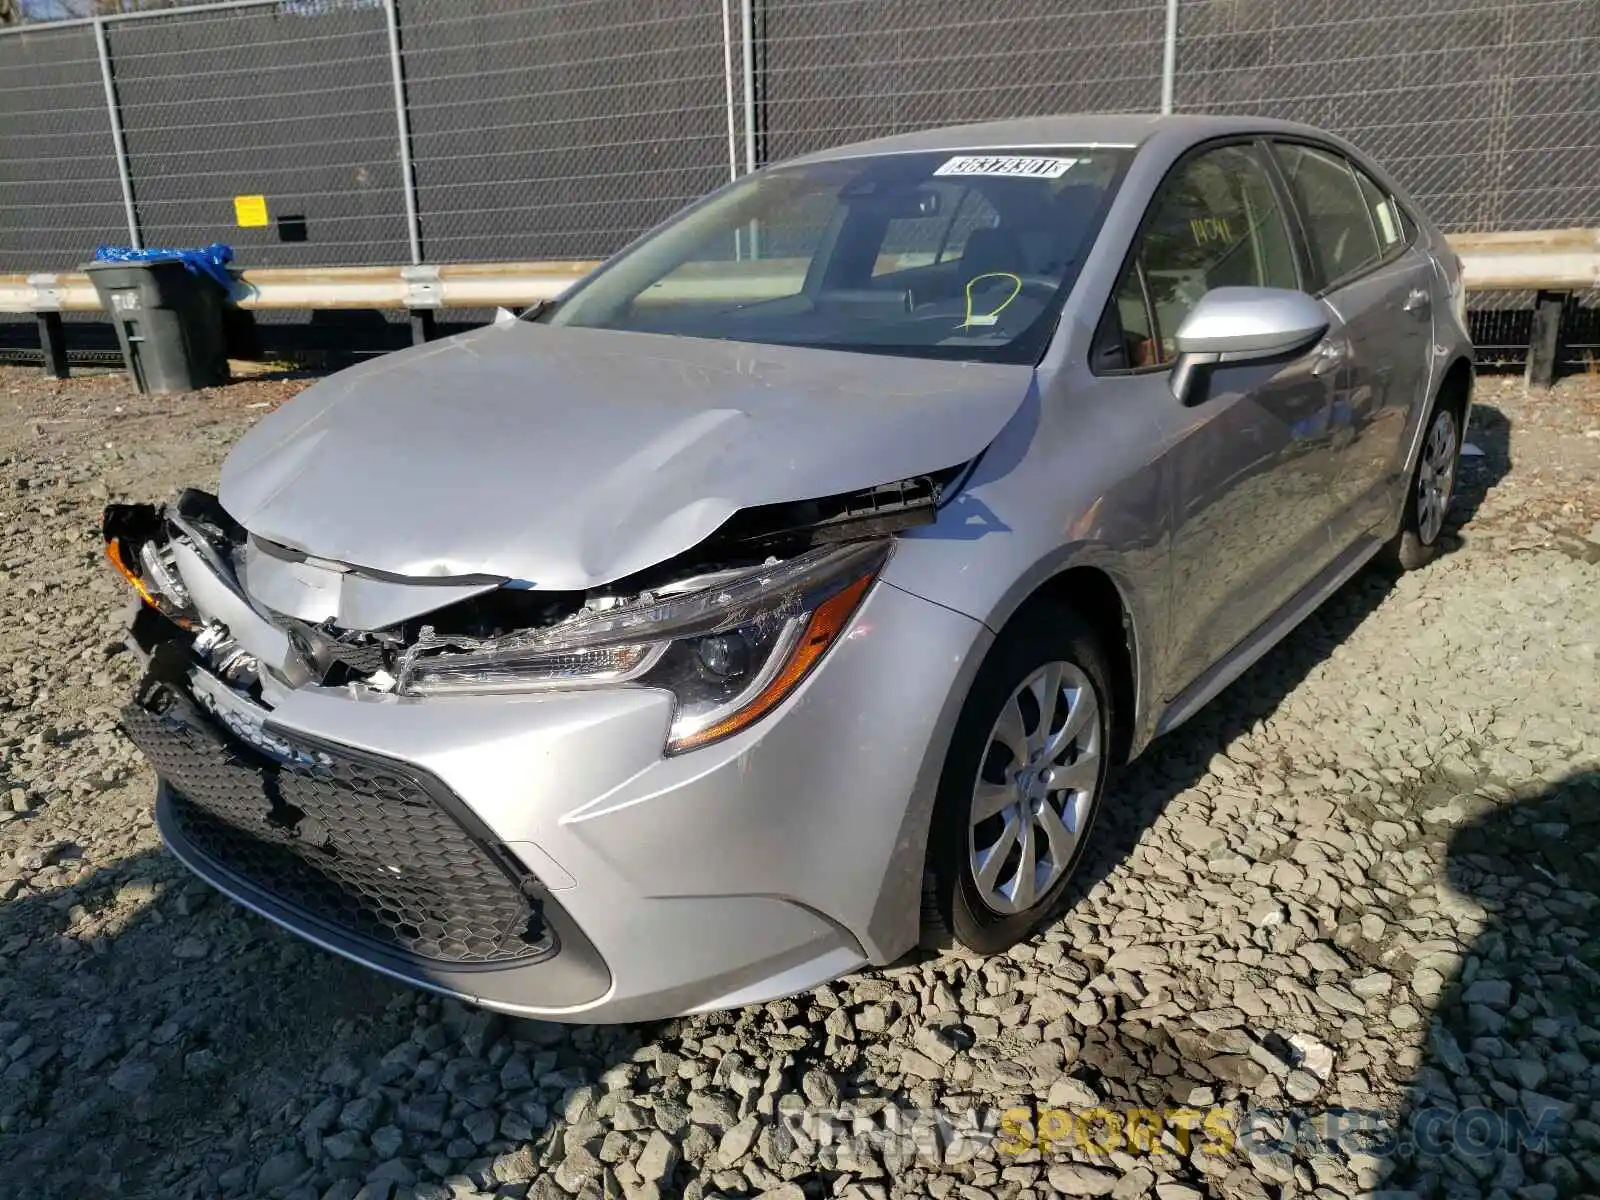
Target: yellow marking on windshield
(989,318)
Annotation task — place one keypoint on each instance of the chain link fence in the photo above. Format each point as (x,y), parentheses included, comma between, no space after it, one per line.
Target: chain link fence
(59,194)
(560,130)
(841,70)
(1488,111)
(290,104)
(407,130)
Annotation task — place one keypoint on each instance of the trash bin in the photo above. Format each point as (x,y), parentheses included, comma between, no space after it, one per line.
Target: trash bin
(166,306)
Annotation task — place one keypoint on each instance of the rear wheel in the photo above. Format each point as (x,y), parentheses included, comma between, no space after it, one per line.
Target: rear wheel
(1428,497)
(1022,782)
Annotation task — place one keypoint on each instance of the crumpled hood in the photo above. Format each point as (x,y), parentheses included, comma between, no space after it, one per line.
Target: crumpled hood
(568,458)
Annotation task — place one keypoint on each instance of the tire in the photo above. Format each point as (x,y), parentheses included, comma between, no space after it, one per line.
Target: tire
(1045,651)
(1428,494)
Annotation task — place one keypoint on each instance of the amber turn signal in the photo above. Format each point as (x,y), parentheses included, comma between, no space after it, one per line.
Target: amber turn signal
(114,553)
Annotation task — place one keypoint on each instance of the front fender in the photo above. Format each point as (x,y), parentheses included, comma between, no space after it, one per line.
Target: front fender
(1074,480)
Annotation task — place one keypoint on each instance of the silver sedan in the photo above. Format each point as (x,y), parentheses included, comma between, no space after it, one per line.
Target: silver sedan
(780,598)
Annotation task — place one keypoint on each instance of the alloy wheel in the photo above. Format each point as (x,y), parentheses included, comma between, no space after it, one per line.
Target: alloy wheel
(1035,789)
(1436,476)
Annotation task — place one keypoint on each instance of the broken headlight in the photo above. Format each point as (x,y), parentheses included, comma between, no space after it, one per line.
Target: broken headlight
(729,652)
(137,546)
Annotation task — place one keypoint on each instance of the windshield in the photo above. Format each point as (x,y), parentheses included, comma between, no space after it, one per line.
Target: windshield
(938,255)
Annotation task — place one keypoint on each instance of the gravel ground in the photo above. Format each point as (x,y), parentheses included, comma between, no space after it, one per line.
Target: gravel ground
(1363,881)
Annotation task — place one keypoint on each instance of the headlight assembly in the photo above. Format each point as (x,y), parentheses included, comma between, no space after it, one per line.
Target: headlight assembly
(137,547)
(729,651)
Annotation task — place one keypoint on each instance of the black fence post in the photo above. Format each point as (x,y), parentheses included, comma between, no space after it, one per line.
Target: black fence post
(423,325)
(52,340)
(1544,342)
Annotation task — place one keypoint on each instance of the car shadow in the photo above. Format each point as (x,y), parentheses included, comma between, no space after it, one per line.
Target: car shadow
(1504,1098)
(148,1026)
(1489,431)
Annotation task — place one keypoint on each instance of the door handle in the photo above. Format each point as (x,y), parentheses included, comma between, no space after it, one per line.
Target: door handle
(1417,300)
(1328,355)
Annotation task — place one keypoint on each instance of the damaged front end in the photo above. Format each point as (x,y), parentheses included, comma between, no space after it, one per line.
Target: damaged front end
(182,561)
(376,856)
(729,628)
(368,855)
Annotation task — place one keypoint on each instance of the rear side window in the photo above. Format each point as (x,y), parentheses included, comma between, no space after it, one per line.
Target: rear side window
(1387,218)
(1338,212)
(1215,222)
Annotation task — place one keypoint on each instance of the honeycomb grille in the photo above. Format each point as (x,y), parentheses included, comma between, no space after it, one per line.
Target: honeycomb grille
(356,842)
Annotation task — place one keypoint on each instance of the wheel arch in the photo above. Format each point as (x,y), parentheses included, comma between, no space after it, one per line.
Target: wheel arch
(1455,384)
(1095,594)
(1089,580)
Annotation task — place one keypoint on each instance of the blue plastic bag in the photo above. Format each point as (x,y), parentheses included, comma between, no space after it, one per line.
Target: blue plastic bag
(213,260)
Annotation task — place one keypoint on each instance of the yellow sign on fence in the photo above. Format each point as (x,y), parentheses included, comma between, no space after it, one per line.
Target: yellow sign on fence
(250,211)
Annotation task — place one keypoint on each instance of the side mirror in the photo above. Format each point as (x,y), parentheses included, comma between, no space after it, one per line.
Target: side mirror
(1243,324)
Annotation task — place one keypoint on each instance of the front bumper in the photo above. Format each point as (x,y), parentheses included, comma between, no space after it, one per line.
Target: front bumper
(753,868)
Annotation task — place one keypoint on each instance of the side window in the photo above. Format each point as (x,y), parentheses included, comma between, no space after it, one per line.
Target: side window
(1387,218)
(1342,231)
(1124,339)
(1215,222)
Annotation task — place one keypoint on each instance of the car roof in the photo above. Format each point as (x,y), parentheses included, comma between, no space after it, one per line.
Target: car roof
(1070,129)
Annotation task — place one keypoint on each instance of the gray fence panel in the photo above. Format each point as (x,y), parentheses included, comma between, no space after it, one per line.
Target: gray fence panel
(560,128)
(842,70)
(1489,113)
(1551,154)
(292,101)
(59,196)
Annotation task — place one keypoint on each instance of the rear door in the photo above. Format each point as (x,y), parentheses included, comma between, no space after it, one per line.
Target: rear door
(1361,260)
(1244,463)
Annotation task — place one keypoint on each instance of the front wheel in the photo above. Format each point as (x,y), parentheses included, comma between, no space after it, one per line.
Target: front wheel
(1428,497)
(1021,785)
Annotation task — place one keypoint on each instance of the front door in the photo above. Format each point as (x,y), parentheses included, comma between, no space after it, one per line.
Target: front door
(1246,462)
(1250,468)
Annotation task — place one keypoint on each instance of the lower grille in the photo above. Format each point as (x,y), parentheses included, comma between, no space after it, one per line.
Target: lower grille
(354,841)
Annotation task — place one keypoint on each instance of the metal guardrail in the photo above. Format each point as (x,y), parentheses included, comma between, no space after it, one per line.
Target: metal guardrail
(1553,263)
(1563,260)
(421,290)
(427,288)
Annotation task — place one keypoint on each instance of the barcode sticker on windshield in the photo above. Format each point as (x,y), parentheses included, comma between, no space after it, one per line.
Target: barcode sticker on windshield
(1020,166)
